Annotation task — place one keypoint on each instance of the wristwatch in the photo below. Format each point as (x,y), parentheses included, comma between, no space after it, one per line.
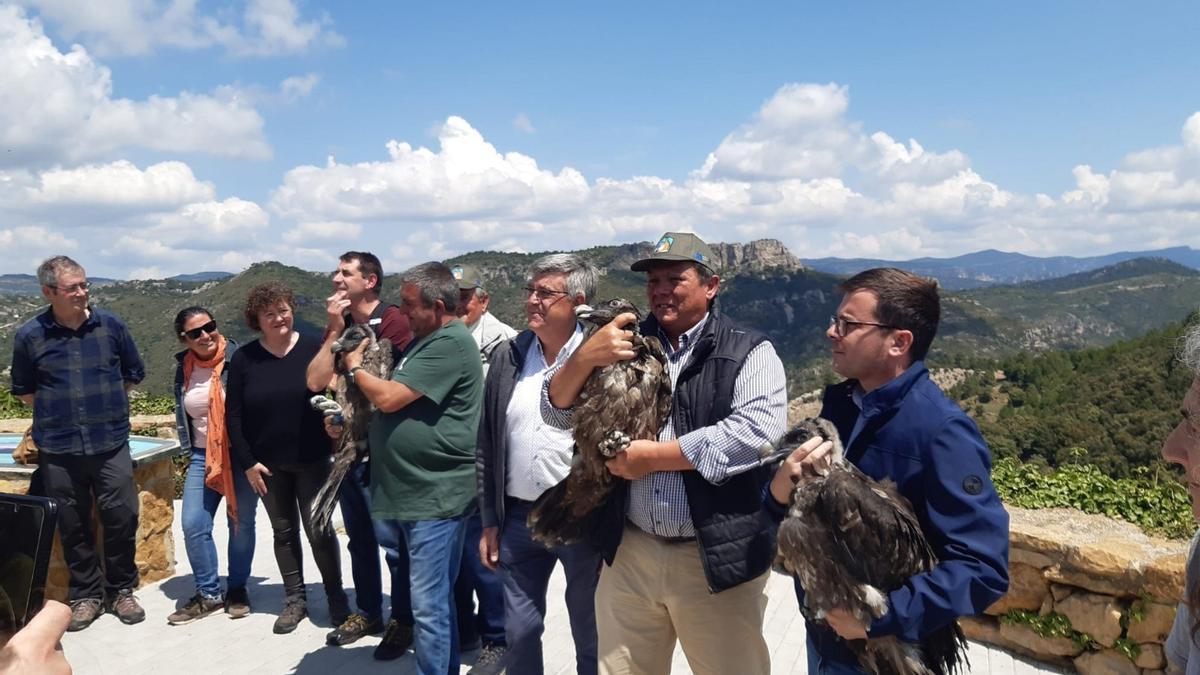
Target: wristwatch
(354,370)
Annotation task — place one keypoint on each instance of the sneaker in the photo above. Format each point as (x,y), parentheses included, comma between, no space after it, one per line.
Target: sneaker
(490,661)
(237,603)
(339,608)
(83,612)
(294,610)
(125,606)
(196,608)
(396,640)
(354,627)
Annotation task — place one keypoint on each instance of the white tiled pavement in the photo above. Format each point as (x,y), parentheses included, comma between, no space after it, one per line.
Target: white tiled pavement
(216,644)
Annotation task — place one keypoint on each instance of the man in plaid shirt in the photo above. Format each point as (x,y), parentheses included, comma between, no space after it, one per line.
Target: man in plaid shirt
(74,364)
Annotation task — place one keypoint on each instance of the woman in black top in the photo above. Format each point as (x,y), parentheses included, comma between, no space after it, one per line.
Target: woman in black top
(280,442)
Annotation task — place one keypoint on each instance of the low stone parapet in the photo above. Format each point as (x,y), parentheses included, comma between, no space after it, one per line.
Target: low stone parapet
(1086,592)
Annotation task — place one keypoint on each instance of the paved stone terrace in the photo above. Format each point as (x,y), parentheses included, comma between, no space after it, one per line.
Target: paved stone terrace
(219,645)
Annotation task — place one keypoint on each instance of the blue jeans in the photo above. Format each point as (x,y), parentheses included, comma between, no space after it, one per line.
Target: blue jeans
(475,579)
(199,509)
(525,568)
(366,537)
(434,553)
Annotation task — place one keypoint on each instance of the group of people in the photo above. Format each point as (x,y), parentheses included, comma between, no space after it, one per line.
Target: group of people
(474,424)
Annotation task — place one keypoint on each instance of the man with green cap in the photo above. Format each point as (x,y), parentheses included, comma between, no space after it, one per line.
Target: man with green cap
(695,548)
(487,330)
(484,629)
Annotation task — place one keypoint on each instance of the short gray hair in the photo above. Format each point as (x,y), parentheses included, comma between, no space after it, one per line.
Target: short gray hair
(435,281)
(1189,348)
(582,277)
(51,268)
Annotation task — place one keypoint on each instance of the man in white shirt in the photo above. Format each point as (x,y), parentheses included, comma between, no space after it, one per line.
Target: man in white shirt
(519,457)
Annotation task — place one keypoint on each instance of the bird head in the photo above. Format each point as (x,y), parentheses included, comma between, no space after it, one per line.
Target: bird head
(798,435)
(606,311)
(351,337)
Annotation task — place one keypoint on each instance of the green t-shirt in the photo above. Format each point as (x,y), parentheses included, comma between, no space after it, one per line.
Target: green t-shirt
(423,455)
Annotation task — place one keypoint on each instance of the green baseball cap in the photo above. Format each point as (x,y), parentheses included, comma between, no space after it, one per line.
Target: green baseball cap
(677,247)
(467,276)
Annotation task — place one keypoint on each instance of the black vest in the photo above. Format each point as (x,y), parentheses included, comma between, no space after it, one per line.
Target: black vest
(736,537)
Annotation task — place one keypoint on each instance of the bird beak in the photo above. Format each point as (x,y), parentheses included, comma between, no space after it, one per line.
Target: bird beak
(583,311)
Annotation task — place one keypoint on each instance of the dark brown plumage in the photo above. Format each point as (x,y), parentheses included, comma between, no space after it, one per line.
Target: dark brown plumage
(627,401)
(355,411)
(851,540)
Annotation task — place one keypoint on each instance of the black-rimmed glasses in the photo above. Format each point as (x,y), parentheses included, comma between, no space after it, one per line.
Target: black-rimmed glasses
(839,325)
(73,288)
(194,334)
(544,294)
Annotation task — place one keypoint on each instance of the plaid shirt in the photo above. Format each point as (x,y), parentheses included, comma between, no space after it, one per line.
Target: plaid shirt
(78,381)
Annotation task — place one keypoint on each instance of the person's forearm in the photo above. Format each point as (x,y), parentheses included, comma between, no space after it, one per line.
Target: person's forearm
(387,396)
(567,382)
(320,373)
(27,399)
(666,456)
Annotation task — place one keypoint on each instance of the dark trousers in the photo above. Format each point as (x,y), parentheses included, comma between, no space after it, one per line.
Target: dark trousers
(525,568)
(73,481)
(366,537)
(291,489)
(475,579)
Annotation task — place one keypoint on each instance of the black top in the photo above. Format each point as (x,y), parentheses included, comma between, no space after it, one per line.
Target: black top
(267,409)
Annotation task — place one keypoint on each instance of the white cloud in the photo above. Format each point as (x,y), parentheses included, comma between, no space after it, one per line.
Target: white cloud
(115,187)
(298,87)
(134,27)
(523,124)
(58,107)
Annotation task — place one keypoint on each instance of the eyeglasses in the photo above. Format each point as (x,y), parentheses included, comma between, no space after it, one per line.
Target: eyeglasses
(544,294)
(839,325)
(73,288)
(194,334)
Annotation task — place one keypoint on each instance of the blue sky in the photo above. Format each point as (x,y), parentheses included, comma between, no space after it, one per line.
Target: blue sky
(738,122)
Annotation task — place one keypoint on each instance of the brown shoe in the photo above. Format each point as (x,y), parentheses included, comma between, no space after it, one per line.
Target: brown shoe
(126,607)
(83,612)
(196,608)
(237,603)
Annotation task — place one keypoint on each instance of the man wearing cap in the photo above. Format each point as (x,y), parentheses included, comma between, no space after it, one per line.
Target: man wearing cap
(692,558)
(488,331)
(484,629)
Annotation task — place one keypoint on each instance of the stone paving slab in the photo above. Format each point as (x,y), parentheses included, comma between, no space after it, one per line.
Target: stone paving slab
(217,644)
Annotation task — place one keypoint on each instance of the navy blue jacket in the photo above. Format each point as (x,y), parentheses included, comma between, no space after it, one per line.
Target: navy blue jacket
(910,432)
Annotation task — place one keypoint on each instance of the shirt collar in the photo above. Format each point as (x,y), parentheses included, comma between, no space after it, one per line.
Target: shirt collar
(687,339)
(535,349)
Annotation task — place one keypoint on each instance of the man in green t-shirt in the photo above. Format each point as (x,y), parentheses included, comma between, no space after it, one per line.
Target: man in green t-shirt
(423,452)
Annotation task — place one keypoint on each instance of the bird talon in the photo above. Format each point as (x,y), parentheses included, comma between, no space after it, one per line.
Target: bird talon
(614,442)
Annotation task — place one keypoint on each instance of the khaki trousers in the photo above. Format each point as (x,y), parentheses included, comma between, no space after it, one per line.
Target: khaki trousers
(655,592)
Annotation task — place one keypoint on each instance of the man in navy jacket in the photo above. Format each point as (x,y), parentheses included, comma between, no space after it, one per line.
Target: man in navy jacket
(896,423)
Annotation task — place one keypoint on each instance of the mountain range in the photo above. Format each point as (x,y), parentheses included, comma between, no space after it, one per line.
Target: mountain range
(763,286)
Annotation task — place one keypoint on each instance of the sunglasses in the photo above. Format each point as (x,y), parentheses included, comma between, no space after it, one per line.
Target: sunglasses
(194,334)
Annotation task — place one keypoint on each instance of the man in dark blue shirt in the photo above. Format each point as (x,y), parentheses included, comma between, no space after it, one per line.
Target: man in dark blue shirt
(897,424)
(74,364)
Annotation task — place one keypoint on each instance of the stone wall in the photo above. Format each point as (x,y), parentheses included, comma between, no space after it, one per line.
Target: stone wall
(1102,578)
(156,493)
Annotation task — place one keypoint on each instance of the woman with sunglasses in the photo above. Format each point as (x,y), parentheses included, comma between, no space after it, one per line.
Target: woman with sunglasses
(279,441)
(201,375)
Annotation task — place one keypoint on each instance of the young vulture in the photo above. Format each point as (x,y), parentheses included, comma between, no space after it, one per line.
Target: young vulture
(355,410)
(627,401)
(850,541)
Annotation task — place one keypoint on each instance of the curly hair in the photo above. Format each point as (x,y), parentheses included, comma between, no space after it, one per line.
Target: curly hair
(265,296)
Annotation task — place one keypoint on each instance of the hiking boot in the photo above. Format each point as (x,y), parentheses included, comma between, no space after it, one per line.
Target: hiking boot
(294,610)
(83,612)
(354,627)
(396,640)
(126,607)
(490,661)
(237,603)
(339,607)
(196,608)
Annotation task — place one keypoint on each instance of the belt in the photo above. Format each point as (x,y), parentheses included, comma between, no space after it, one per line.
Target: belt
(513,501)
(659,537)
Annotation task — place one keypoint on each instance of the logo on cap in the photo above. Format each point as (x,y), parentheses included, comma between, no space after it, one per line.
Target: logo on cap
(664,244)
(700,257)
(457,272)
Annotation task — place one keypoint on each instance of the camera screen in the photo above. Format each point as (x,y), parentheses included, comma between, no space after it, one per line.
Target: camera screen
(20,530)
